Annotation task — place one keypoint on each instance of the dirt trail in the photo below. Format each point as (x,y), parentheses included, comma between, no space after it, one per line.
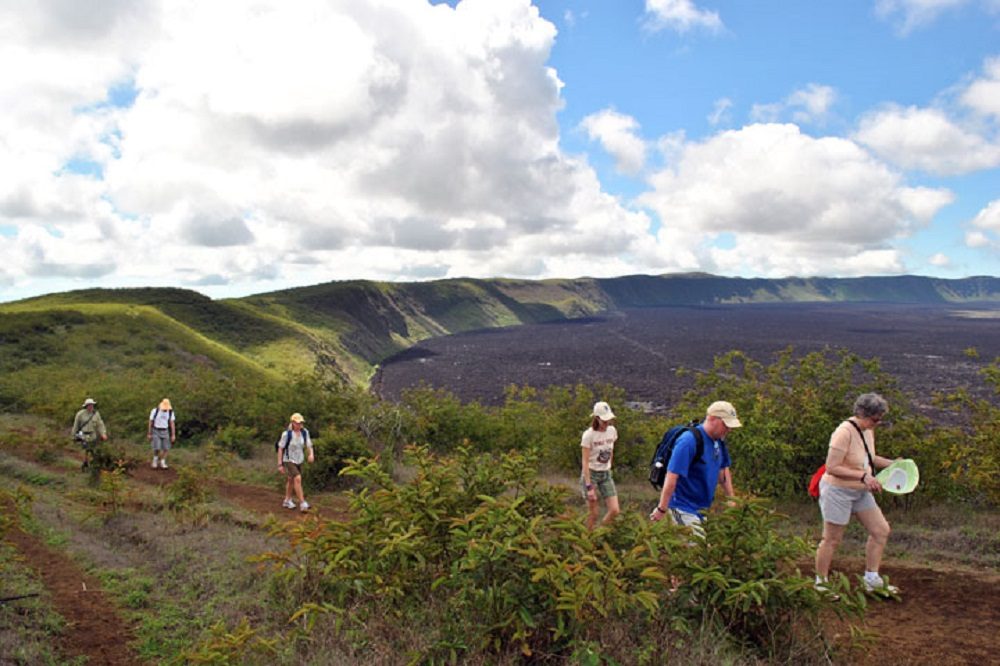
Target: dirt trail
(946,616)
(253,498)
(93,627)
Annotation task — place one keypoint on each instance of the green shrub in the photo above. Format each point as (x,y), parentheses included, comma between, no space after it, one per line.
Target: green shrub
(241,440)
(332,454)
(476,559)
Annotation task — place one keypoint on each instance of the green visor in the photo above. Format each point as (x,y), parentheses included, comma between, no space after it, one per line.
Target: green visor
(900,477)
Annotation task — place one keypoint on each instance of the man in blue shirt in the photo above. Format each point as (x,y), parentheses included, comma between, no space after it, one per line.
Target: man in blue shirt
(689,487)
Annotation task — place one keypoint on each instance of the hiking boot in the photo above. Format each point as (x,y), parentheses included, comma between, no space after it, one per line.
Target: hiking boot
(163,464)
(288,504)
(878,584)
(155,462)
(304,506)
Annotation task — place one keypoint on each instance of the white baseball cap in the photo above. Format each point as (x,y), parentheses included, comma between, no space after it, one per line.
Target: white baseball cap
(602,410)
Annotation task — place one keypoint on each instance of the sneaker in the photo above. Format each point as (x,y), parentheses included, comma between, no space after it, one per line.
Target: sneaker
(288,504)
(163,464)
(304,506)
(155,461)
(878,584)
(824,589)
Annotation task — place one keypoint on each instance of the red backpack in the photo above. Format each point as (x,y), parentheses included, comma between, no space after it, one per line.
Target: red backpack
(814,481)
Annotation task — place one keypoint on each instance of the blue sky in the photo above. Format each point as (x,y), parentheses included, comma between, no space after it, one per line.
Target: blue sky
(236,149)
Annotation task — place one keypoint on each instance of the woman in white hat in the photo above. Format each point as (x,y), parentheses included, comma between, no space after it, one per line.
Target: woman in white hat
(291,455)
(598,446)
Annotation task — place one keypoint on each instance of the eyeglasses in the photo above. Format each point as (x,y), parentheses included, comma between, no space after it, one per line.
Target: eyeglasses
(875,419)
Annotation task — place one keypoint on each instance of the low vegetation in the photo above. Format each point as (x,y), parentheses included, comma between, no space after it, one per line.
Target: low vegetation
(462,542)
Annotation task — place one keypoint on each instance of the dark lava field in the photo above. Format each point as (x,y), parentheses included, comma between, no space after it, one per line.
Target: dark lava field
(923,346)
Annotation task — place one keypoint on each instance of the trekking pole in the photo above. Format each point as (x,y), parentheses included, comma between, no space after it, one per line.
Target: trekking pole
(4,600)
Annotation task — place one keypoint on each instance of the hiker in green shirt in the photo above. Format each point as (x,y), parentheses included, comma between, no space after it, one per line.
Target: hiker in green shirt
(87,428)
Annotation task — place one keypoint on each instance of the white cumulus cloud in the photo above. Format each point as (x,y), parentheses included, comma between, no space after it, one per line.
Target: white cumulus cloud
(681,16)
(210,143)
(616,133)
(926,139)
(769,200)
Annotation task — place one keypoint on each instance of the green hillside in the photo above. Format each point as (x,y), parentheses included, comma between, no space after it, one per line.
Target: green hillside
(141,344)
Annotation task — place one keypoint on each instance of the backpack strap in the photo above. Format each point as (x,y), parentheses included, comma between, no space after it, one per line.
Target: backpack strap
(865,442)
(699,445)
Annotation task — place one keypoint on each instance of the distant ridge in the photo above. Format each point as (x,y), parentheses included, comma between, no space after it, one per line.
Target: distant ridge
(345,328)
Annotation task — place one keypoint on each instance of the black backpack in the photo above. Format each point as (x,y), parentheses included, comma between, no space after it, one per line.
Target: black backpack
(661,458)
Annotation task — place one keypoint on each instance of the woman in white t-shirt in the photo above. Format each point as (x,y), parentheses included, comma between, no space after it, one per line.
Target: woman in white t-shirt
(598,445)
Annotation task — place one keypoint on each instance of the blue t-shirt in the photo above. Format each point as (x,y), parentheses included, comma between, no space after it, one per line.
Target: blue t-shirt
(696,481)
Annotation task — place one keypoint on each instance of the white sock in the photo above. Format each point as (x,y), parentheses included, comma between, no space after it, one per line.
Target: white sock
(871,575)
(820,579)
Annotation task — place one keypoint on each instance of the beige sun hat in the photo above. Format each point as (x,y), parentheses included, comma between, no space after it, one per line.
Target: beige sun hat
(296,418)
(725,411)
(89,401)
(165,405)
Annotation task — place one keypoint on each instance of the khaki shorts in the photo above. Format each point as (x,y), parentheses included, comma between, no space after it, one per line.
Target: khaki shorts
(603,483)
(291,469)
(836,504)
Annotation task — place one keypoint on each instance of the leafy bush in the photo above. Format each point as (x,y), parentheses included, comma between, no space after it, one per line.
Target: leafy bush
(241,440)
(965,459)
(332,455)
(480,558)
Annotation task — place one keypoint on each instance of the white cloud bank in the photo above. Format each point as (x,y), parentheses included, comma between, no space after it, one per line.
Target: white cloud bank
(782,203)
(264,145)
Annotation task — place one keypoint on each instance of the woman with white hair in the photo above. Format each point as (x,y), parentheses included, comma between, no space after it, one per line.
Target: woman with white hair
(847,488)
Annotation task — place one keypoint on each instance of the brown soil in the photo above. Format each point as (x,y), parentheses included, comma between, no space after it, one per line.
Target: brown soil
(93,626)
(945,616)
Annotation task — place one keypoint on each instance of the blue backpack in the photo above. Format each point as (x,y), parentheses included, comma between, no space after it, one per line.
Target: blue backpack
(661,458)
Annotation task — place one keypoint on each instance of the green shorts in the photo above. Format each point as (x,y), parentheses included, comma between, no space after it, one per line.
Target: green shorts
(603,484)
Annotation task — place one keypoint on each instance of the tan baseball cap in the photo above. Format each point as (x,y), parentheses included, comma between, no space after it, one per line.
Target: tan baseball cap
(725,411)
(296,418)
(165,405)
